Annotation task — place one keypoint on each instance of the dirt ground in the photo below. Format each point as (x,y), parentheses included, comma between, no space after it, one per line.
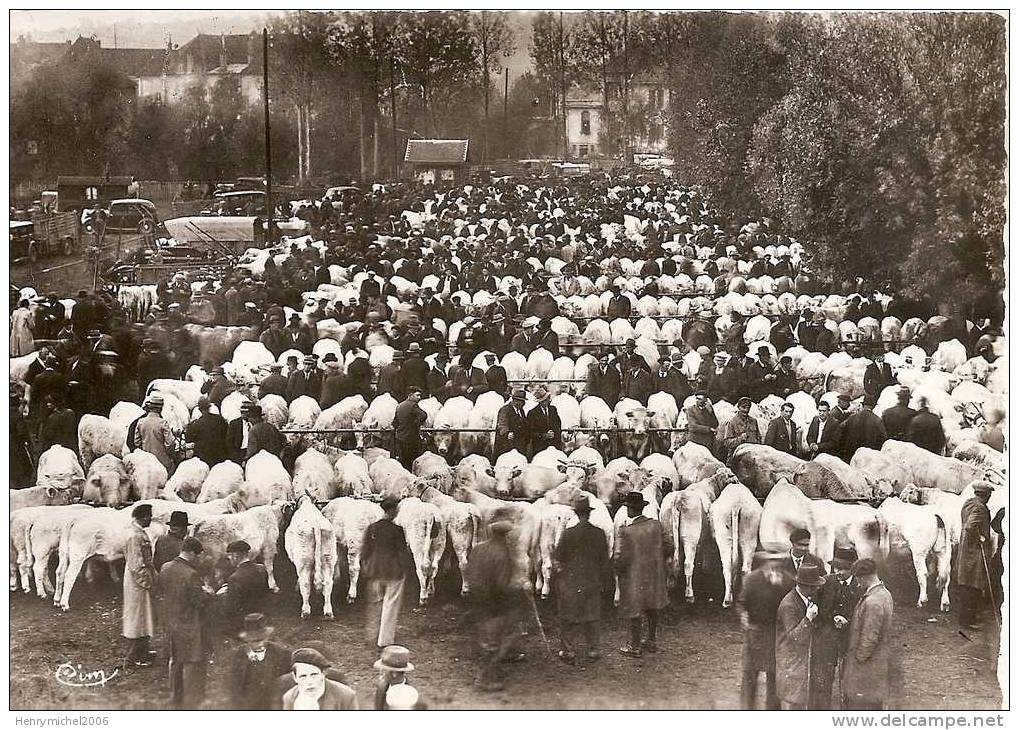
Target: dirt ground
(698,666)
(68,274)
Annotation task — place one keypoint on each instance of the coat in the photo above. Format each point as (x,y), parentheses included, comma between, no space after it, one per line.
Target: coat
(336,697)
(139,578)
(302,383)
(582,570)
(896,420)
(701,423)
(877,377)
(264,436)
(208,434)
(638,384)
(925,431)
(166,549)
(183,602)
(153,435)
(778,436)
(639,557)
(510,431)
(407,424)
(974,542)
(738,430)
(868,657)
(384,552)
(793,638)
(246,591)
(604,384)
(674,383)
(825,435)
(760,598)
(252,684)
(862,429)
(22,342)
(537,425)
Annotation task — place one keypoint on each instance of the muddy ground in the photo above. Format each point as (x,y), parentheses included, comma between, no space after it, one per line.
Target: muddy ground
(697,668)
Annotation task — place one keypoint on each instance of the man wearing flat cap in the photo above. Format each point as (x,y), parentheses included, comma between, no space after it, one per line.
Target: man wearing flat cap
(639,557)
(139,578)
(218,386)
(742,428)
(581,572)
(245,590)
(973,564)
(526,341)
(184,598)
(313,690)
(865,672)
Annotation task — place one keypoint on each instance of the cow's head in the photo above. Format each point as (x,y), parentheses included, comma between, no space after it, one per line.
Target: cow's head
(577,472)
(640,420)
(504,476)
(443,442)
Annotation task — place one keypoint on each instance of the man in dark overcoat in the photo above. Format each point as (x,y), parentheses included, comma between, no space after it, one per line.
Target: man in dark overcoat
(604,380)
(868,663)
(582,570)
(762,592)
(836,600)
(794,634)
(971,579)
(511,425)
(639,558)
(862,429)
(407,425)
(184,599)
(701,421)
(925,429)
(256,666)
(542,424)
(245,590)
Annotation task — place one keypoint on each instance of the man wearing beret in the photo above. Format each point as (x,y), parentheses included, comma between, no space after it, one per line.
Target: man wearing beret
(313,689)
(247,587)
(742,428)
(868,659)
(184,599)
(974,560)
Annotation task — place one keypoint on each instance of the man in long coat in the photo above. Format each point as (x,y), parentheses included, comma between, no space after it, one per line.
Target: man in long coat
(868,657)
(836,601)
(897,418)
(925,430)
(511,425)
(153,434)
(639,557)
(701,421)
(974,558)
(762,592)
(604,380)
(184,598)
(582,570)
(794,633)
(139,577)
(407,425)
(542,424)
(862,429)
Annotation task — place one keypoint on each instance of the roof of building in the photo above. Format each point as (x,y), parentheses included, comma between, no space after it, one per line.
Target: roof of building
(94,180)
(136,61)
(441,151)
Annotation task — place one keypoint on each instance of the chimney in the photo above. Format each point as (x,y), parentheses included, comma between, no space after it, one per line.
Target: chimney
(222,51)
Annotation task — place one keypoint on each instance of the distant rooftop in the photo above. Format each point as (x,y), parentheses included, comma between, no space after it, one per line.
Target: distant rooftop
(437,151)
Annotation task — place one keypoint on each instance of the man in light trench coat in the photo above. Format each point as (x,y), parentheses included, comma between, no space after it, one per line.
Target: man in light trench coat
(139,577)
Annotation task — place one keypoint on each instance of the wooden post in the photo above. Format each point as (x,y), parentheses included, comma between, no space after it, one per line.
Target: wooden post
(270,236)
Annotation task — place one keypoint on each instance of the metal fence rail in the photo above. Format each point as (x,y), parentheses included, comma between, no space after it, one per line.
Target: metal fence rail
(470,430)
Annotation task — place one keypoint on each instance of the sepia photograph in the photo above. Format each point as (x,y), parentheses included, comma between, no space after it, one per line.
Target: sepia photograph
(449,359)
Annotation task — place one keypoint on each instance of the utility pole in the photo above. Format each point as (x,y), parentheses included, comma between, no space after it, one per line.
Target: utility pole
(269,209)
(505,106)
(562,88)
(392,116)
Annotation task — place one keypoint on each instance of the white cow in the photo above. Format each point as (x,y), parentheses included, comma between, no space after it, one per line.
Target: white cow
(919,529)
(350,519)
(311,544)
(735,518)
(425,532)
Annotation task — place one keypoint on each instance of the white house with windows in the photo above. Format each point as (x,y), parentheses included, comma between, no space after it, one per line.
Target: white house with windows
(584,107)
(586,118)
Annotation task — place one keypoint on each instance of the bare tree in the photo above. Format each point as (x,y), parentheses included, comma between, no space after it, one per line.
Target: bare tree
(494,41)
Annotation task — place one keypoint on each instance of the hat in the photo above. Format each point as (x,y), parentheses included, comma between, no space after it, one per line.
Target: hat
(238,546)
(501,527)
(983,488)
(192,545)
(844,397)
(310,359)
(844,558)
(216,371)
(541,393)
(250,305)
(799,534)
(389,503)
(762,348)
(809,575)
(310,656)
(246,405)
(631,341)
(581,504)
(330,357)
(518,394)
(413,347)
(154,401)
(395,659)
(743,400)
(635,500)
(179,519)
(141,510)
(397,354)
(94,333)
(255,628)
(275,366)
(108,354)
(864,567)
(531,322)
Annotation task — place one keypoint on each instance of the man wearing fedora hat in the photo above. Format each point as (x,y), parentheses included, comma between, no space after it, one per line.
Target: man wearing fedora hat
(313,690)
(207,434)
(836,601)
(218,386)
(139,618)
(639,558)
(581,572)
(526,341)
(153,434)
(393,691)
(794,638)
(701,420)
(511,425)
(256,665)
(866,670)
(542,424)
(184,598)
(392,379)
(168,546)
(415,369)
(604,379)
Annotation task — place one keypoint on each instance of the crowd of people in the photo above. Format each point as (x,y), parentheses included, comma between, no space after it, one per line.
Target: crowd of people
(800,620)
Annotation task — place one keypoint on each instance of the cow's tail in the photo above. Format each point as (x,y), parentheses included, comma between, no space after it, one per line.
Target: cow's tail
(475,527)
(320,548)
(941,541)
(734,529)
(883,542)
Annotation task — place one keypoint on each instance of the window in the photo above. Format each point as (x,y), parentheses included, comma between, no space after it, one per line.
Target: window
(585,122)
(583,150)
(92,193)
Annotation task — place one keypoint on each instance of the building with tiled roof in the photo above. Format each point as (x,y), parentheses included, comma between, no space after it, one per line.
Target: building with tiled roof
(437,160)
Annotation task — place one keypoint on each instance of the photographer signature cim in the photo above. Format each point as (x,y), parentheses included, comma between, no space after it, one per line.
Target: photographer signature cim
(73,675)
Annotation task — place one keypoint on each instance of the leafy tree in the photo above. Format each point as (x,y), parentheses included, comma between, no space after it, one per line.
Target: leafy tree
(493,41)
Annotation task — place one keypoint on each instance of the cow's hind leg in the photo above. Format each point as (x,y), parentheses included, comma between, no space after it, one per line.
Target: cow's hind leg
(304,586)
(920,566)
(327,590)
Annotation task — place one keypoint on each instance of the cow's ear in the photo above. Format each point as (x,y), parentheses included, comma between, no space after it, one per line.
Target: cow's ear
(51,492)
(651,414)
(629,414)
(490,471)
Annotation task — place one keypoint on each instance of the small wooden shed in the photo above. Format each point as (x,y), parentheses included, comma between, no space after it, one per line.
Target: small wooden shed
(436,161)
